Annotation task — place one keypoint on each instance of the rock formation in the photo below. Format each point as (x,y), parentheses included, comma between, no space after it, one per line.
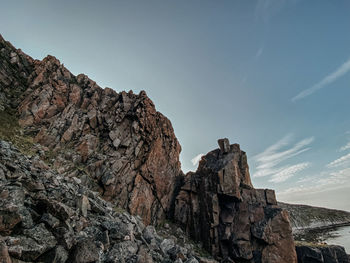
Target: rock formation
(45,217)
(124,148)
(73,142)
(219,206)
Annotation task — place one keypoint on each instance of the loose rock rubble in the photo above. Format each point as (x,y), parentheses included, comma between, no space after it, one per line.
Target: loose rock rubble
(45,217)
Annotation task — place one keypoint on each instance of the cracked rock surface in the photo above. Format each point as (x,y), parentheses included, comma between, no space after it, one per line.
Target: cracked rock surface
(122,146)
(43,219)
(219,206)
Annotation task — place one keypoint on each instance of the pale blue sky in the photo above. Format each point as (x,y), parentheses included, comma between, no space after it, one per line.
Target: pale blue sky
(272,75)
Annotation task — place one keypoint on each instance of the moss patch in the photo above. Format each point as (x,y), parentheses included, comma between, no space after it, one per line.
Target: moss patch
(12,132)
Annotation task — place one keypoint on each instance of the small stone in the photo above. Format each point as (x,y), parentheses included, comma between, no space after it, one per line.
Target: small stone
(85,251)
(4,254)
(166,245)
(224,145)
(191,260)
(84,205)
(270,197)
(50,220)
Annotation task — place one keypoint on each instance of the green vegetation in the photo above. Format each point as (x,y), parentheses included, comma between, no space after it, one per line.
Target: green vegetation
(119,210)
(12,132)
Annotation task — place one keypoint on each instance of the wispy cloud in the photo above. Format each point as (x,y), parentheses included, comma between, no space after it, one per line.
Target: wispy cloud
(334,180)
(270,158)
(265,8)
(340,161)
(306,179)
(259,52)
(288,172)
(345,147)
(339,72)
(196,159)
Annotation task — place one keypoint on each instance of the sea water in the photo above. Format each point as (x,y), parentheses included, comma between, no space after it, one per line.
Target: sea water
(339,236)
(332,236)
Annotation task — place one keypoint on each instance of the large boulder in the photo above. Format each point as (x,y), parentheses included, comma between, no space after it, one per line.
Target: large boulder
(313,253)
(218,206)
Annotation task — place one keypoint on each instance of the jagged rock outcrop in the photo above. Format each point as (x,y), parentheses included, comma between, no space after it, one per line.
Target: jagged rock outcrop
(115,142)
(79,142)
(218,206)
(15,68)
(45,217)
(305,217)
(321,254)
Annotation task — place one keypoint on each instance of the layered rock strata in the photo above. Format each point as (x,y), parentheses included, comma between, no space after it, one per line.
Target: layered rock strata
(218,206)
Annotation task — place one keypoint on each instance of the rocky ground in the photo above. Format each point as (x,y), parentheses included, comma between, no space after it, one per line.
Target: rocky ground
(45,217)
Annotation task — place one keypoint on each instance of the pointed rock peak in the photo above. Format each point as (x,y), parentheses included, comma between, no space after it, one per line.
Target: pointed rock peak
(52,60)
(224,145)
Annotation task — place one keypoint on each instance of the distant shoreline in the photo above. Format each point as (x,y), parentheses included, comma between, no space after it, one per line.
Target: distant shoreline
(319,228)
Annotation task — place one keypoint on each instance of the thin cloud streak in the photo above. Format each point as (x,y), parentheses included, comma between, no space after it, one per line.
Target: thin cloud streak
(269,159)
(289,172)
(340,161)
(259,52)
(264,9)
(336,179)
(345,147)
(339,72)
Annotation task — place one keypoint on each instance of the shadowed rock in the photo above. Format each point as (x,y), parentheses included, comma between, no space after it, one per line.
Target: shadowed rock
(66,222)
(218,206)
(321,254)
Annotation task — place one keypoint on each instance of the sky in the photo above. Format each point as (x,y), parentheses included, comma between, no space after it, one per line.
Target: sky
(271,75)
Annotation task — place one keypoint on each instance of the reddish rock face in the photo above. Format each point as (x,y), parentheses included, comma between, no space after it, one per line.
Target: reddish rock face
(119,145)
(119,141)
(219,206)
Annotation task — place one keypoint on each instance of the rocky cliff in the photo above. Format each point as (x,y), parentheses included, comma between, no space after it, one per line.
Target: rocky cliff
(117,143)
(219,206)
(79,164)
(305,217)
